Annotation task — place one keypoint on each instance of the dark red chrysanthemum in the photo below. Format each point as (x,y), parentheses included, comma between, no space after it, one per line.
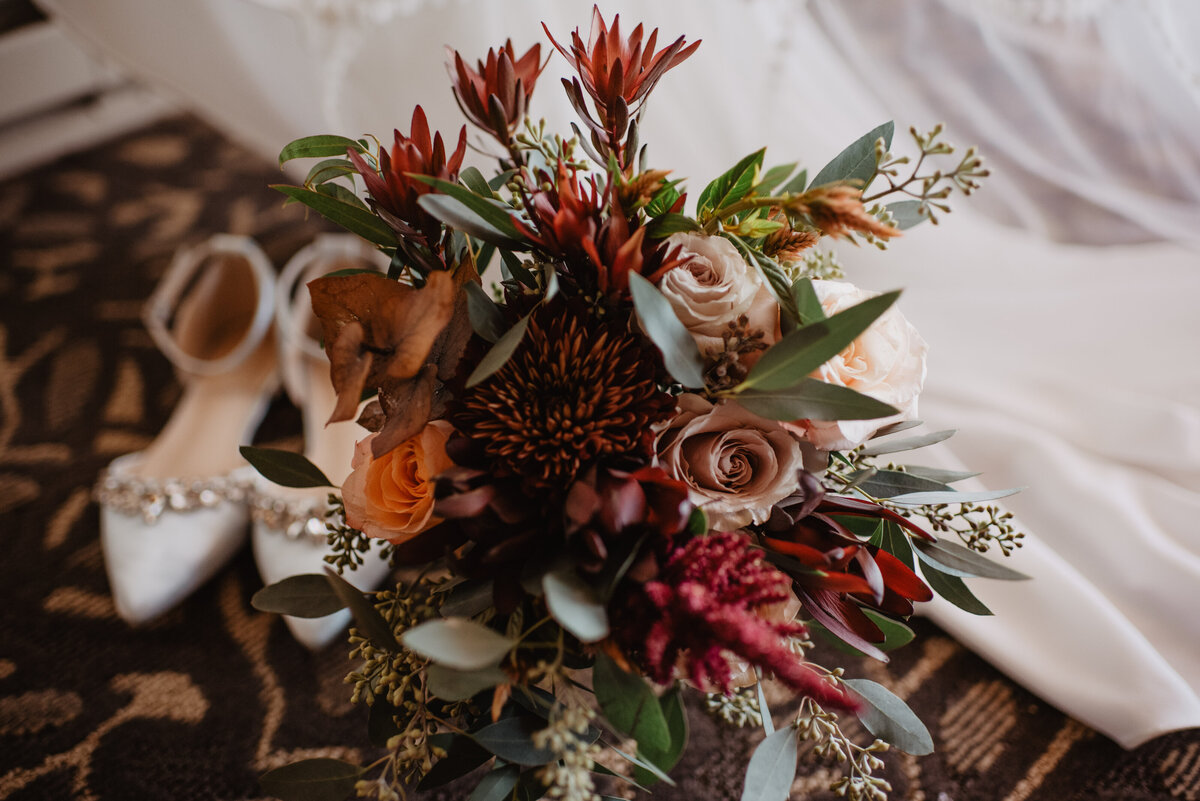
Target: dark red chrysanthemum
(394,193)
(707,605)
(496,94)
(577,391)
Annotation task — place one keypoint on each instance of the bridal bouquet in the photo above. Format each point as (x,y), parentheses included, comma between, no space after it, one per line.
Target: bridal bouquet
(643,466)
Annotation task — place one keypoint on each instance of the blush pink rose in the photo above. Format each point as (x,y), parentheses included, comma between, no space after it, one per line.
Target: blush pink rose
(735,464)
(712,287)
(391,497)
(886,362)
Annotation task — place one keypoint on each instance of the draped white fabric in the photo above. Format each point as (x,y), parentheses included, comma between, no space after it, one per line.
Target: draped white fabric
(1068,368)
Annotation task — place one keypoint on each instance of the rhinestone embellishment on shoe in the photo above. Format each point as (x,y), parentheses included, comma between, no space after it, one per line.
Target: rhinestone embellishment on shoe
(152,498)
(302,519)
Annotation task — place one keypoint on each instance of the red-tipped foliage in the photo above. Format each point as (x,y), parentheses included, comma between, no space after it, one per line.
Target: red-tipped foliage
(840,573)
(617,73)
(394,193)
(496,94)
(707,606)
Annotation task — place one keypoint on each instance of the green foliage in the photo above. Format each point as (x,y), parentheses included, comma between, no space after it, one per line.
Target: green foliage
(353,218)
(320,779)
(731,186)
(814,400)
(486,318)
(318,146)
(858,161)
(953,589)
(790,360)
(889,718)
(285,468)
(956,560)
(458,643)
(499,353)
(678,348)
(772,767)
(575,605)
(306,595)
(674,713)
(630,705)
(366,617)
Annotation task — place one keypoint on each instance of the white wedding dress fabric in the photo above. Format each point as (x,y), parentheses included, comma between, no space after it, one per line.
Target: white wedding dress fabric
(1060,303)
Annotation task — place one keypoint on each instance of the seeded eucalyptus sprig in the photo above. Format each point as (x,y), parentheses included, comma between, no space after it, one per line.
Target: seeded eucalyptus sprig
(928,190)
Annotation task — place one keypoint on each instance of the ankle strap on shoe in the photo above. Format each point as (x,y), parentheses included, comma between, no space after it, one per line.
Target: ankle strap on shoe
(179,275)
(292,302)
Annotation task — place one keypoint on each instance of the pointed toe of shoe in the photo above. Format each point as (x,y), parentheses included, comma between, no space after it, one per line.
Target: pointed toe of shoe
(153,566)
(280,556)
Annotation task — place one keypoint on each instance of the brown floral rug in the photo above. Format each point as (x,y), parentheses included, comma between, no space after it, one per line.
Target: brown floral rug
(198,704)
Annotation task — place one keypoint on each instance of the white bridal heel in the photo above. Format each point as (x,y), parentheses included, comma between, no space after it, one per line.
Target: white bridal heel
(173,514)
(289,524)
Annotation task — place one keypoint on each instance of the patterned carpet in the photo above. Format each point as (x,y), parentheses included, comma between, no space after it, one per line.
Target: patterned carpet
(198,704)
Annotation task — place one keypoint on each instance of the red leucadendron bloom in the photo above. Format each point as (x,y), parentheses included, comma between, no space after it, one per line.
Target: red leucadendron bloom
(617,73)
(496,94)
(393,191)
(845,573)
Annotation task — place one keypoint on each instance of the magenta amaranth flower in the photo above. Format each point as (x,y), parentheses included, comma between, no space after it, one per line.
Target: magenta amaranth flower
(709,604)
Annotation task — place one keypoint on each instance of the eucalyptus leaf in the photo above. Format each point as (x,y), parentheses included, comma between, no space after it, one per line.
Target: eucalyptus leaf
(896,427)
(889,483)
(935,474)
(366,617)
(773,178)
(796,185)
(895,634)
(906,213)
(285,468)
(772,273)
(463,755)
(679,350)
(798,354)
(459,685)
(459,216)
(500,353)
(676,717)
(381,722)
(957,560)
(629,704)
(511,739)
(354,219)
(306,595)
(321,779)
(881,447)
(893,540)
(889,718)
(318,146)
(486,318)
(772,768)
(953,496)
(857,162)
(812,399)
(496,785)
(575,605)
(953,589)
(467,599)
(458,643)
(808,305)
(645,765)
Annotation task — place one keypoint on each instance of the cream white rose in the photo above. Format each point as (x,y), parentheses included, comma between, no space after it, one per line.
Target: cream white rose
(735,464)
(886,362)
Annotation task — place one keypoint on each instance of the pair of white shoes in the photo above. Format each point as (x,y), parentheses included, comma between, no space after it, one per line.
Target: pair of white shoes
(173,514)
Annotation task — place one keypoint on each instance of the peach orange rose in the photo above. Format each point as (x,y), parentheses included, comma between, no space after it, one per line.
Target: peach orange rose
(391,497)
